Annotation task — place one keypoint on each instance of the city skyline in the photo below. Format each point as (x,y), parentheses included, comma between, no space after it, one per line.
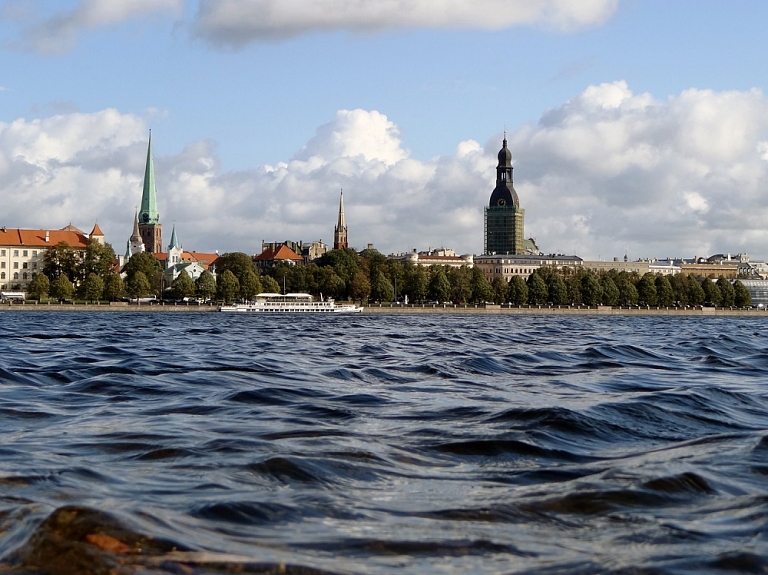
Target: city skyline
(635,128)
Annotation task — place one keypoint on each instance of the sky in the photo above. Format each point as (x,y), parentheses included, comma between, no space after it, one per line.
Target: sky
(637,127)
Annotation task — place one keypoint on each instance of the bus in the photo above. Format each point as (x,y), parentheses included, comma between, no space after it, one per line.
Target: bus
(12,295)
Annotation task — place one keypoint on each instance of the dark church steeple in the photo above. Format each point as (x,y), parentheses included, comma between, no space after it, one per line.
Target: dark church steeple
(340,231)
(504,193)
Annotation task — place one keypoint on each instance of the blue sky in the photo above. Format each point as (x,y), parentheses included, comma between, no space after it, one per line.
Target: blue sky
(636,127)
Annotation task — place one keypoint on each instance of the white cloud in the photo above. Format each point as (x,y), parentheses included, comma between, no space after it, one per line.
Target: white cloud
(58,33)
(607,173)
(237,22)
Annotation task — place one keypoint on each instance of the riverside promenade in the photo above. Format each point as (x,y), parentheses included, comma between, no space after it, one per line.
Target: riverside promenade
(388,308)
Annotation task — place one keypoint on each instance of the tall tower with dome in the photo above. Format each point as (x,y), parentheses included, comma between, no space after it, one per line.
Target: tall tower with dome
(503,215)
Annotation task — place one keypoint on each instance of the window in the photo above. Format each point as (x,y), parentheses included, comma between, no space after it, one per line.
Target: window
(2,275)
(25,253)
(2,265)
(2,252)
(24,265)
(34,253)
(15,275)
(34,265)
(34,275)
(15,265)
(16,253)
(24,276)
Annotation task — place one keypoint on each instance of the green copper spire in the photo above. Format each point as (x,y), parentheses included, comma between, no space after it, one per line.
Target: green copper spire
(148,213)
(174,240)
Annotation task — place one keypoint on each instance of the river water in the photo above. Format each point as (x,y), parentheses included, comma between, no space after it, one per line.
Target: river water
(372,444)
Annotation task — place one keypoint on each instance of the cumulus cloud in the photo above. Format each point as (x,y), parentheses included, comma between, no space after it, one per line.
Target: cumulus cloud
(238,22)
(607,173)
(59,32)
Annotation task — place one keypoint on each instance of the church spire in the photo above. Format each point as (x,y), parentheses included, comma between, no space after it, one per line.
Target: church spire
(340,232)
(174,240)
(148,213)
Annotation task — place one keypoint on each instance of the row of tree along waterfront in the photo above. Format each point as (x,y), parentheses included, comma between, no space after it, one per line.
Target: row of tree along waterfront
(368,275)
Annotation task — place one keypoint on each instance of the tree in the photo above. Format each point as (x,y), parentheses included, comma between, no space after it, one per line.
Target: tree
(439,287)
(39,287)
(97,259)
(591,291)
(360,286)
(330,284)
(150,268)
(461,284)
(665,295)
(712,295)
(183,286)
(205,285)
(418,283)
(557,290)
(62,288)
(93,287)
(610,291)
(500,289)
(236,262)
(518,291)
(228,286)
(113,287)
(695,291)
(250,285)
(138,285)
(573,285)
(742,297)
(60,260)
(270,285)
(345,262)
(627,291)
(480,286)
(729,294)
(537,289)
(381,288)
(646,290)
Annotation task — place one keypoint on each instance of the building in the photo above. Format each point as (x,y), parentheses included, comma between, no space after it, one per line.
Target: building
(310,251)
(640,267)
(523,265)
(340,231)
(441,257)
(150,230)
(22,251)
(504,219)
(282,254)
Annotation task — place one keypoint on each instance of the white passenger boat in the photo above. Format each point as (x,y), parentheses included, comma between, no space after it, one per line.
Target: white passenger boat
(290,303)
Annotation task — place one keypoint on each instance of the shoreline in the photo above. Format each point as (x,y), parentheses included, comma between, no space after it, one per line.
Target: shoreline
(697,311)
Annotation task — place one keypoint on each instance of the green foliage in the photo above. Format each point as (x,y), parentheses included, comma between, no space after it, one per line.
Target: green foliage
(113,287)
(439,288)
(360,286)
(665,295)
(138,285)
(250,285)
(480,286)
(62,288)
(345,263)
(557,290)
(228,286)
(461,284)
(742,297)
(627,292)
(149,267)
(695,291)
(500,290)
(98,259)
(646,290)
(39,287)
(329,284)
(417,283)
(727,291)
(573,285)
(381,288)
(712,294)
(205,285)
(591,290)
(93,287)
(610,291)
(270,285)
(236,262)
(60,260)
(537,289)
(518,291)
(183,286)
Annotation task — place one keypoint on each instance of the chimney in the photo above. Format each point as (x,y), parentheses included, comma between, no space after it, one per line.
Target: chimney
(47,236)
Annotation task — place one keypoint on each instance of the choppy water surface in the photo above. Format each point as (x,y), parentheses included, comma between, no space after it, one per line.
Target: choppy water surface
(215,443)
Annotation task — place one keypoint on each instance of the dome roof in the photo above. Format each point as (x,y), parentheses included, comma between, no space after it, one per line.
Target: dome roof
(505,156)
